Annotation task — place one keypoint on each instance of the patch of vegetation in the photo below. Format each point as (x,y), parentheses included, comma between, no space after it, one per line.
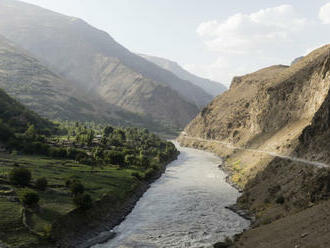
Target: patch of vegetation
(30,198)
(20,176)
(41,183)
(71,168)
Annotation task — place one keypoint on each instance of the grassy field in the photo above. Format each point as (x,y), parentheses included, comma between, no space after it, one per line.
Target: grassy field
(57,199)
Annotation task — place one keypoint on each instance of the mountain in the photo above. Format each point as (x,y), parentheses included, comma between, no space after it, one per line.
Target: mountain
(18,117)
(296,60)
(91,60)
(272,128)
(267,109)
(27,80)
(211,87)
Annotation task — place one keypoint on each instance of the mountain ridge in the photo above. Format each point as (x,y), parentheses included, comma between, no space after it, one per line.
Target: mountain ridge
(93,60)
(211,87)
(24,78)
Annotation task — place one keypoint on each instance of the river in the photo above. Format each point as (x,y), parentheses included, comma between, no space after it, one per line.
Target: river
(184,208)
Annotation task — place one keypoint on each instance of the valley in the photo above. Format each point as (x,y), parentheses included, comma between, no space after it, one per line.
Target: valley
(102,145)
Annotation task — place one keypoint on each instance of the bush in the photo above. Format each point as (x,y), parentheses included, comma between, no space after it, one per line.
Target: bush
(41,184)
(144,161)
(77,187)
(83,201)
(20,176)
(30,198)
(137,175)
(130,160)
(115,157)
(149,173)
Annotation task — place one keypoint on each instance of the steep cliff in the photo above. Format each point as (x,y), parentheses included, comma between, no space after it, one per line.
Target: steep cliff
(267,109)
(272,127)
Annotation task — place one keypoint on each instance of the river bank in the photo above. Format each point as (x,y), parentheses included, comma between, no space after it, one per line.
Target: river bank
(79,227)
(280,193)
(185,207)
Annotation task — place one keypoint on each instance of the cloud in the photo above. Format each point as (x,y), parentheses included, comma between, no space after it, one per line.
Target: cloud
(245,43)
(242,33)
(324,13)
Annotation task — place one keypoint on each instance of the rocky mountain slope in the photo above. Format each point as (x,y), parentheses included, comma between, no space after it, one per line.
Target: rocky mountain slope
(24,78)
(282,113)
(211,87)
(91,59)
(27,80)
(260,105)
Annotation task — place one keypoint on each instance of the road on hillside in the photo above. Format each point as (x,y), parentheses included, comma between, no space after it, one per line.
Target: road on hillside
(273,154)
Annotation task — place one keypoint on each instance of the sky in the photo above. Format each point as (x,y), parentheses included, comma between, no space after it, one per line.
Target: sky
(215,39)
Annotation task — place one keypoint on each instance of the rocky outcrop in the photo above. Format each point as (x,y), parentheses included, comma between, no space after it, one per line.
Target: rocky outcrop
(267,110)
(277,117)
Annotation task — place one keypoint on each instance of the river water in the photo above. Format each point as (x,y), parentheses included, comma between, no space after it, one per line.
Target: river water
(184,208)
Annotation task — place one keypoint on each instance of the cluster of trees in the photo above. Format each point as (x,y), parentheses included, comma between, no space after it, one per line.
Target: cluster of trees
(117,146)
(81,199)
(92,144)
(104,145)
(22,177)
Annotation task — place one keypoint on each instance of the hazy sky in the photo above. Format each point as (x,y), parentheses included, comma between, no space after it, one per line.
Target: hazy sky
(212,38)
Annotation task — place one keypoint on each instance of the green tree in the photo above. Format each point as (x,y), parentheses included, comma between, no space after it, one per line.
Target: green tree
(130,159)
(77,187)
(20,176)
(30,198)
(107,131)
(31,132)
(144,161)
(41,183)
(115,157)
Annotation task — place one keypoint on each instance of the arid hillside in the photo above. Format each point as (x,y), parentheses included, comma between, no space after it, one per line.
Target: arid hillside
(272,128)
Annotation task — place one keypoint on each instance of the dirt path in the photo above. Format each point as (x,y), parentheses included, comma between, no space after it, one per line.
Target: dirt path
(273,154)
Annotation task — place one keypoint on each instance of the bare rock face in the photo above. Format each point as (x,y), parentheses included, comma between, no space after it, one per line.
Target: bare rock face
(258,106)
(90,59)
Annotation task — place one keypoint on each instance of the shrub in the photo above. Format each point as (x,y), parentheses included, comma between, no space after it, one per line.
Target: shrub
(149,173)
(137,175)
(130,160)
(144,161)
(77,187)
(41,184)
(115,157)
(20,176)
(30,198)
(83,201)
